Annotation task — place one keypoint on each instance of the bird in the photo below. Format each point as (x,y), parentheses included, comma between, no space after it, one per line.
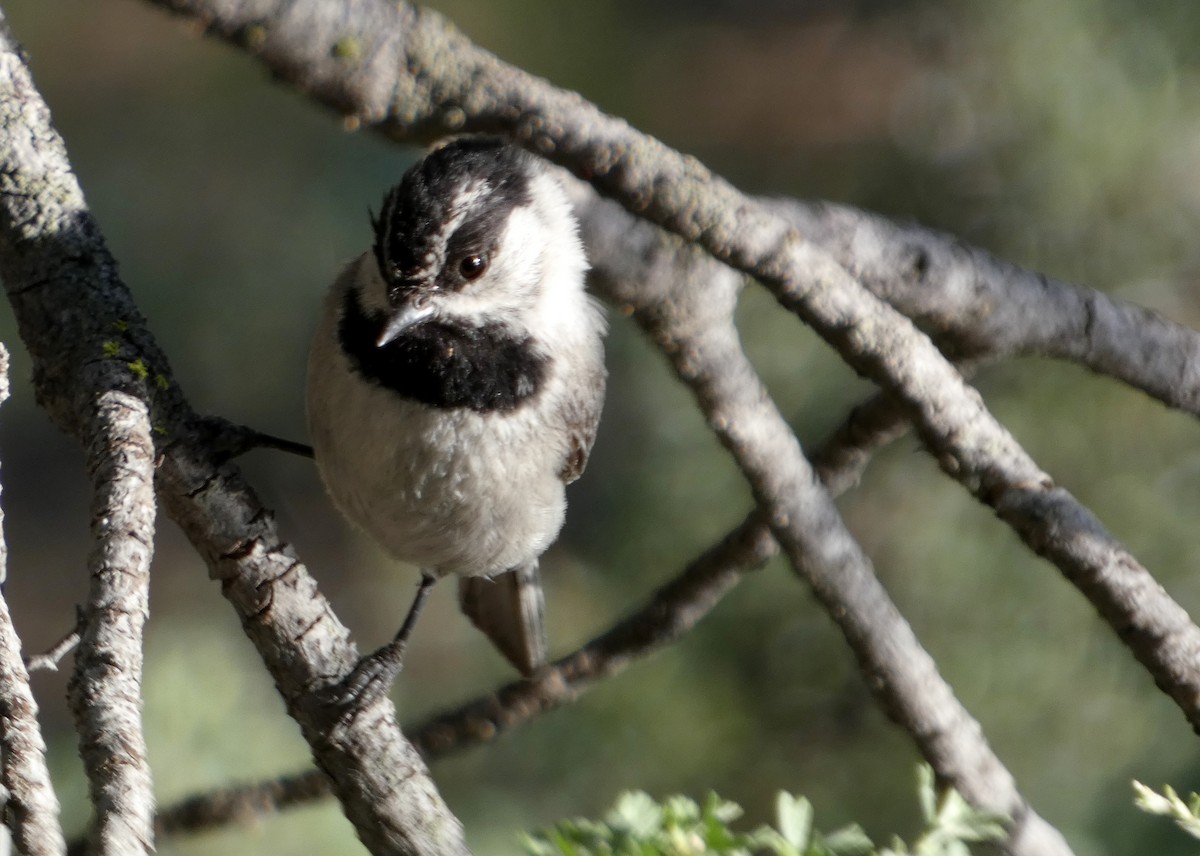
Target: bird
(455,384)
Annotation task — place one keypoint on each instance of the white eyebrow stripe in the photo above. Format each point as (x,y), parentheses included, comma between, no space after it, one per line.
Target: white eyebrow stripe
(465,202)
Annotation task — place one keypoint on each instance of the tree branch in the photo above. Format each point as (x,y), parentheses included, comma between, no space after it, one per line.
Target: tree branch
(694,327)
(241,804)
(49,660)
(669,615)
(396,79)
(976,305)
(106,688)
(42,215)
(30,805)
(412,75)
(73,312)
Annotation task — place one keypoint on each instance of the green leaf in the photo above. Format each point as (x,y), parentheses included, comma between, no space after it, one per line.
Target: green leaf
(927,795)
(765,838)
(637,813)
(794,816)
(536,845)
(679,826)
(849,841)
(721,809)
(1169,804)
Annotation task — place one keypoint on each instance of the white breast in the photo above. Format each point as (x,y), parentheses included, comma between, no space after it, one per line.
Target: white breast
(449,490)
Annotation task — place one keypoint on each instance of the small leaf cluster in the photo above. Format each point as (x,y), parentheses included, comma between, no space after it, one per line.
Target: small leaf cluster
(640,826)
(1169,804)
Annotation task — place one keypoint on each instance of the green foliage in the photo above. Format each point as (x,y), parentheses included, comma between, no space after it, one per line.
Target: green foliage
(1169,804)
(679,826)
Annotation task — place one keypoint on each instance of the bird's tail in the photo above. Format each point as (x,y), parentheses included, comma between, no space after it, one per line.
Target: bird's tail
(510,609)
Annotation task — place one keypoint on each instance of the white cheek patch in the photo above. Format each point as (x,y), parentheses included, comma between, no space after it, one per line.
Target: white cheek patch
(535,276)
(565,305)
(509,288)
(519,252)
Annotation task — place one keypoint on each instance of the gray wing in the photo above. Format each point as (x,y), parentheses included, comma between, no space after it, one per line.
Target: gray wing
(580,414)
(509,608)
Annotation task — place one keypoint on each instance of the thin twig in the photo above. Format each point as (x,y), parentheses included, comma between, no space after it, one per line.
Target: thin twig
(241,804)
(49,660)
(229,440)
(31,808)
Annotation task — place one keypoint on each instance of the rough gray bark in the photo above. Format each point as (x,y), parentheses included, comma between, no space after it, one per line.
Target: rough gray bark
(30,805)
(411,76)
(94,364)
(982,309)
(975,305)
(106,688)
(694,326)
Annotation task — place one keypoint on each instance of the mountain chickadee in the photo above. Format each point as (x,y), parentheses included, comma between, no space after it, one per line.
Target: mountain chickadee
(456,380)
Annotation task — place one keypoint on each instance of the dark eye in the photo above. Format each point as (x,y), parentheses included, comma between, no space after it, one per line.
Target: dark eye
(472,266)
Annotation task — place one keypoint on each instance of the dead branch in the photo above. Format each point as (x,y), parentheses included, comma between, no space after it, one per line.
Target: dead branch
(413,76)
(31,806)
(106,687)
(74,312)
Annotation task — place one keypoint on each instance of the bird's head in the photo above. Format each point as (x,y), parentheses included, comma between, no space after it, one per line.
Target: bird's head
(475,233)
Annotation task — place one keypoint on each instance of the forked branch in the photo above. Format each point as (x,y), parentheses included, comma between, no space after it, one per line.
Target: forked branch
(101,375)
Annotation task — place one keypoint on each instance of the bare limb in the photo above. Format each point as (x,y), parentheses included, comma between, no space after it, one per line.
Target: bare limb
(41,210)
(973,304)
(106,688)
(241,804)
(413,76)
(977,305)
(672,612)
(73,312)
(695,330)
(669,615)
(31,806)
(1157,630)
(377,775)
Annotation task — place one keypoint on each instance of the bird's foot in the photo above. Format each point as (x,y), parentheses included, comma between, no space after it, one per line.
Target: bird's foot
(372,677)
(230,440)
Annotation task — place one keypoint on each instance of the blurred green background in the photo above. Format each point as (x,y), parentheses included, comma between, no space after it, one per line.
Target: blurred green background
(1064,136)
